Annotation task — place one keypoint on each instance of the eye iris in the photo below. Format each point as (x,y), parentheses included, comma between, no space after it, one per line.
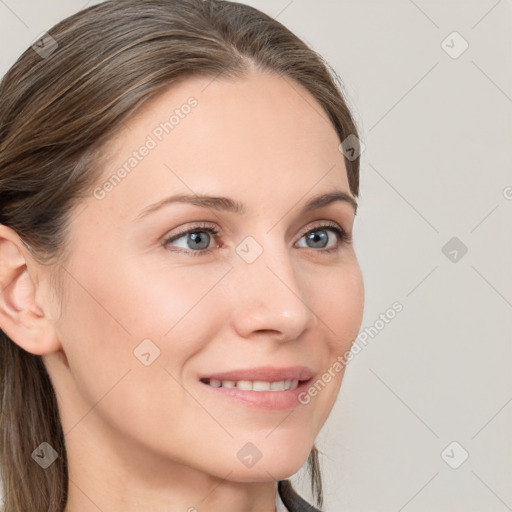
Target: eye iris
(316,236)
(196,237)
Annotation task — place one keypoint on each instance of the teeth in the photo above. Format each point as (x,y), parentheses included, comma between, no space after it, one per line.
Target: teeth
(257,385)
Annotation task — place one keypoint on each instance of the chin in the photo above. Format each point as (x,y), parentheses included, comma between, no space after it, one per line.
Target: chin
(276,462)
(267,473)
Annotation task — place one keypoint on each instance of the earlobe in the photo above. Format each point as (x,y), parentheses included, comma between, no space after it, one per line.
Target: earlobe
(21,318)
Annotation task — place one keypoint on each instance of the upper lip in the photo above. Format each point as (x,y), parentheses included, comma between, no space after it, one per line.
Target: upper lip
(264,373)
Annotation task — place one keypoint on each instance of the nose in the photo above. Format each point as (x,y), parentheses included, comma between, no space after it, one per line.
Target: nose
(269,297)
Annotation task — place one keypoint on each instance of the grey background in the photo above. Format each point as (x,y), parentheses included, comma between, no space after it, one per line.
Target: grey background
(437,165)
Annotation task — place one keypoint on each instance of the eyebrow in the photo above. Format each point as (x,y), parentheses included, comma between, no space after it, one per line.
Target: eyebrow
(230,205)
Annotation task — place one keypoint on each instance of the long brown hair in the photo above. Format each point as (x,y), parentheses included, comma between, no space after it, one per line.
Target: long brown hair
(59,104)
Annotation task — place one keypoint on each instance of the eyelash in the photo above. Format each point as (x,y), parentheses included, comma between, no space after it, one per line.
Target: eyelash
(342,236)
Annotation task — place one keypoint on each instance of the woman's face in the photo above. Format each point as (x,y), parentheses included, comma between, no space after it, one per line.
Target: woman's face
(150,311)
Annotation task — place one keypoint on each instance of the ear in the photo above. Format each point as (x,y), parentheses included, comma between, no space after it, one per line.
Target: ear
(22,318)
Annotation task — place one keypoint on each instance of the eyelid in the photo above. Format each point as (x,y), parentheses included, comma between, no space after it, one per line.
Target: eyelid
(194,226)
(320,224)
(343,235)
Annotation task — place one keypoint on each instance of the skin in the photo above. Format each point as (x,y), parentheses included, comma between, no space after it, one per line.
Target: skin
(152,437)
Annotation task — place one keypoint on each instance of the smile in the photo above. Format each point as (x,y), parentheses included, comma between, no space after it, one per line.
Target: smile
(256,385)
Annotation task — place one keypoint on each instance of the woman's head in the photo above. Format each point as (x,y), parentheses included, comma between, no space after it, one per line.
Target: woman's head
(138,102)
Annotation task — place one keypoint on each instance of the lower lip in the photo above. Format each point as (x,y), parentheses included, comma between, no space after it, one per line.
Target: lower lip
(272,400)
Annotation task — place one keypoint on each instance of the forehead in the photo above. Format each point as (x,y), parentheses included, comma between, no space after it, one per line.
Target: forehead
(256,137)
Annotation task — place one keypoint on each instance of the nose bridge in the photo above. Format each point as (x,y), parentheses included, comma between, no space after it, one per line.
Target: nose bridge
(270,297)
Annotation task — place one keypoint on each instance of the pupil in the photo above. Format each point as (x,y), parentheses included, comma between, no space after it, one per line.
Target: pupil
(196,237)
(315,237)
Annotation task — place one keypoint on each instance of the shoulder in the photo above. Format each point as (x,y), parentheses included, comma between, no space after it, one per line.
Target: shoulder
(292,500)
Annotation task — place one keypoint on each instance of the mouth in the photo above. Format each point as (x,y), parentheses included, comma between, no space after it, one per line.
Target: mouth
(265,387)
(255,385)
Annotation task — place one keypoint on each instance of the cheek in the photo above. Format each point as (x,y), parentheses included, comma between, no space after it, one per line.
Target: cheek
(337,299)
(351,304)
(339,303)
(111,323)
(104,320)
(174,305)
